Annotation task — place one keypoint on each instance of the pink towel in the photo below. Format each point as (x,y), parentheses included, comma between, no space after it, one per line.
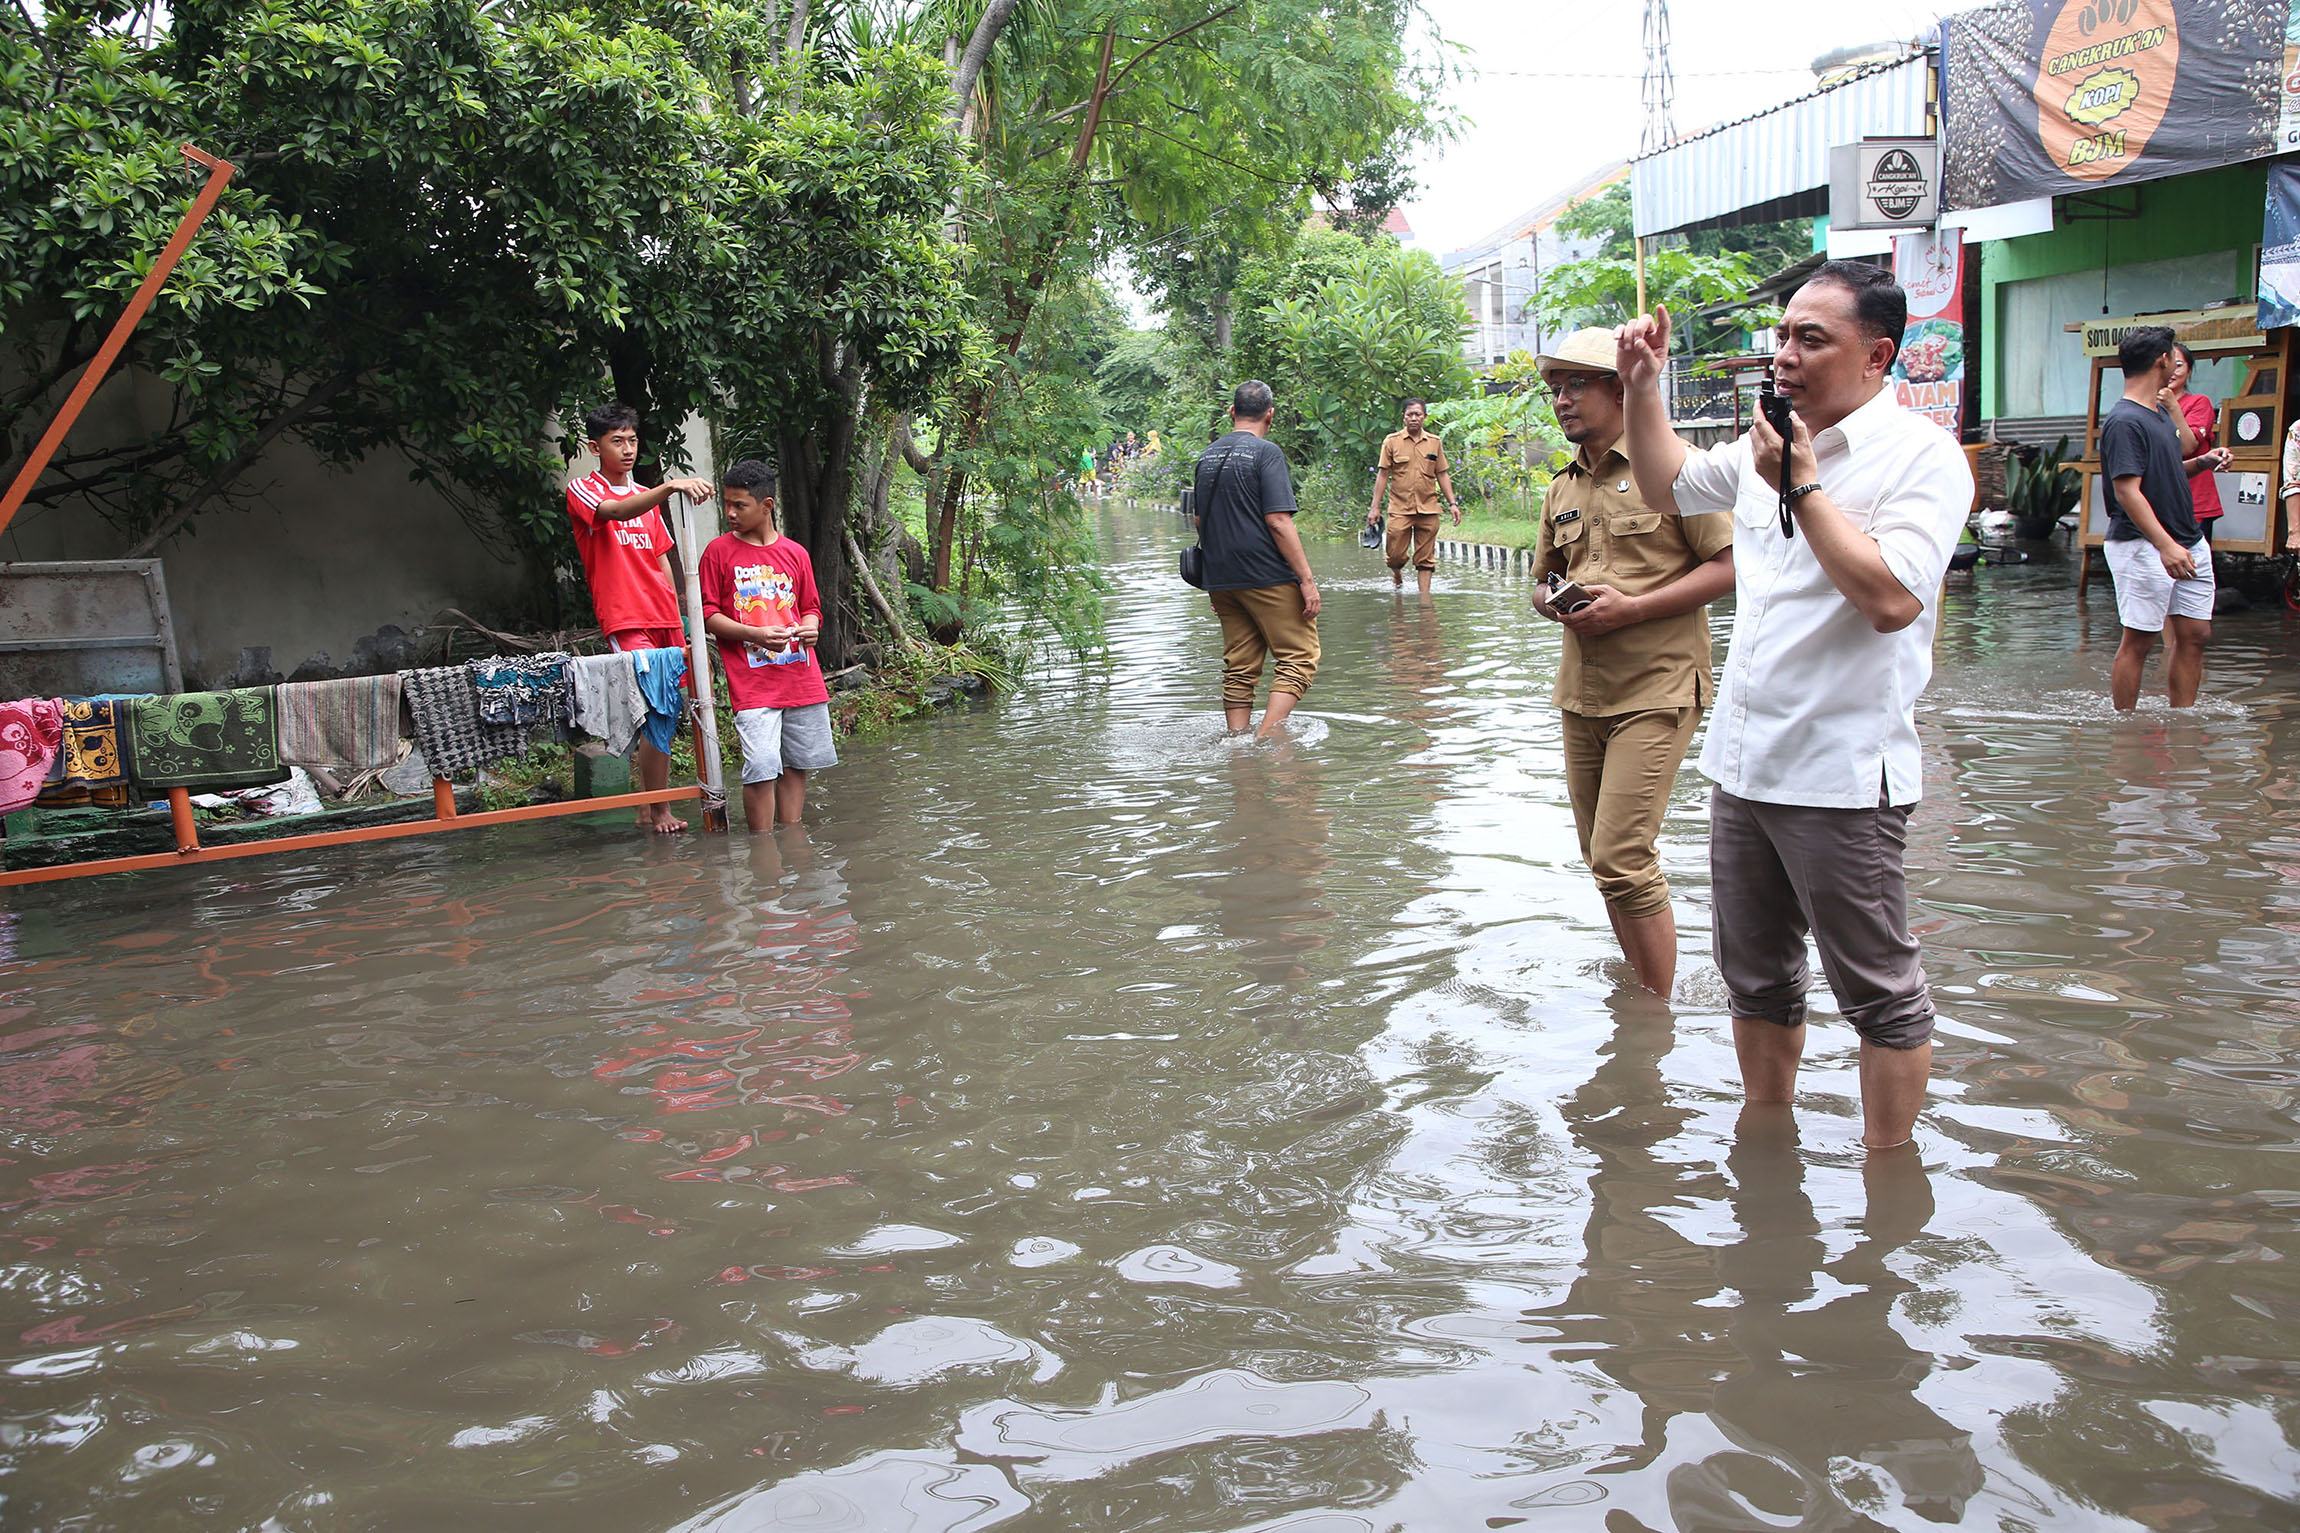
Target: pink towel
(31,732)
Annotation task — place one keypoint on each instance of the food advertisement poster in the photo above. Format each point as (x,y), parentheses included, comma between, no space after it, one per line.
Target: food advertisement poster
(2049,97)
(1929,370)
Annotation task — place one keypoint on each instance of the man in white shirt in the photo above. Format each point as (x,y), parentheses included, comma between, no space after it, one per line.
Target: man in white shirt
(1812,745)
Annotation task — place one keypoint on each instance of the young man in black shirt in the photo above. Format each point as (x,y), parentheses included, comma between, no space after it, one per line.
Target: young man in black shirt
(2155,551)
(1255,571)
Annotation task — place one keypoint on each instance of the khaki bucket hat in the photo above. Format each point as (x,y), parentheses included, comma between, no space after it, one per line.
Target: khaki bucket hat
(1589,348)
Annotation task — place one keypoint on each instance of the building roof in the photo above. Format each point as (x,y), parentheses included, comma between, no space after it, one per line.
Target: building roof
(1542,214)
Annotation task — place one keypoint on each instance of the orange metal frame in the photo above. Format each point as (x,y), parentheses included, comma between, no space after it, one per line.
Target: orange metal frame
(188,849)
(219,172)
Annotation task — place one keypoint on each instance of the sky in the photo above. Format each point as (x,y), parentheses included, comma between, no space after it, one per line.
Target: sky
(1554,90)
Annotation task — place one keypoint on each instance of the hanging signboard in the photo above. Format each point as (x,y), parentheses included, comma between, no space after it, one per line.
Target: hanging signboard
(2051,97)
(1929,369)
(2229,329)
(1885,183)
(2280,248)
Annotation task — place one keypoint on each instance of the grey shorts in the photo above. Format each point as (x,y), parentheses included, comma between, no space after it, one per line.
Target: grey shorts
(1778,871)
(774,738)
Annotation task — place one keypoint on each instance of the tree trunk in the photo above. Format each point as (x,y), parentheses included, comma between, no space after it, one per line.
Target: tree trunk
(632,366)
(815,491)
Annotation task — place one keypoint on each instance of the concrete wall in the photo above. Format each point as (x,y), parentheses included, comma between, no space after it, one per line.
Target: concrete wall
(2192,242)
(310,561)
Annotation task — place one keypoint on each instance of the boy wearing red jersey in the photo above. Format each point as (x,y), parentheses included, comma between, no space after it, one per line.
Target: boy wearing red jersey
(759,602)
(626,552)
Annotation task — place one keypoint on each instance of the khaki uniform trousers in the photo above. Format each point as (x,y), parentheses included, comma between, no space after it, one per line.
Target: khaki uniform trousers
(1411,536)
(1618,772)
(1261,622)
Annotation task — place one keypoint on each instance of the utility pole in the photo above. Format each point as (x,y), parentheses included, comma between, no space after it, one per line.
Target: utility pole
(1660,89)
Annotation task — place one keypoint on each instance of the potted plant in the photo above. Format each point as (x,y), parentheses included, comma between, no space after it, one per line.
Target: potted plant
(2040,490)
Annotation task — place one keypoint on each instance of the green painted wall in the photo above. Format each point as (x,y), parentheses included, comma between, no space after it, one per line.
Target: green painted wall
(2213,210)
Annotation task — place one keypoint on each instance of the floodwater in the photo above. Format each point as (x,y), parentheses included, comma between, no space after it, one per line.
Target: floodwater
(1094,1123)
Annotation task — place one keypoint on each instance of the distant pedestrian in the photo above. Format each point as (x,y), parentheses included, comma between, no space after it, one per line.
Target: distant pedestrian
(2197,418)
(2156,553)
(1413,470)
(1813,742)
(626,553)
(1635,673)
(1256,573)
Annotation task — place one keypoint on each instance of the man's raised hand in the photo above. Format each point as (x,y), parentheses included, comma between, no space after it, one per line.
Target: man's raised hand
(1640,347)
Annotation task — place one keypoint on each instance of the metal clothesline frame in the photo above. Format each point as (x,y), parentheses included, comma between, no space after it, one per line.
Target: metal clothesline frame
(703,708)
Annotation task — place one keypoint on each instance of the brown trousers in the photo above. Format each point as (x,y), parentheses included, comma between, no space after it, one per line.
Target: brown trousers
(1777,871)
(1262,622)
(1414,536)
(1618,772)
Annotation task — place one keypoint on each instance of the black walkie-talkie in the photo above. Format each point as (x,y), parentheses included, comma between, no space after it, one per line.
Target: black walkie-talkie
(1778,415)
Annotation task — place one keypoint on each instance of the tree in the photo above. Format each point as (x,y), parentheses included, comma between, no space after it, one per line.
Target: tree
(1387,327)
(1151,126)
(458,217)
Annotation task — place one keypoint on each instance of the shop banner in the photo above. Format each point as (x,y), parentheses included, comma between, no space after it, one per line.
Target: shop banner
(1929,369)
(2050,97)
(2280,248)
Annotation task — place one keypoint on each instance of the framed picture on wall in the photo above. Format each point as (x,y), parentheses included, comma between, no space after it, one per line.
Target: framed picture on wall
(2248,423)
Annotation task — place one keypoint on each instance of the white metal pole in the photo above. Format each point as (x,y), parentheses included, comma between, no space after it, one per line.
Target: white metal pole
(699,668)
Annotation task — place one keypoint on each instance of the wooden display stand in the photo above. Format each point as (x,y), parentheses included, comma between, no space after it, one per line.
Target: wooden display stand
(2252,425)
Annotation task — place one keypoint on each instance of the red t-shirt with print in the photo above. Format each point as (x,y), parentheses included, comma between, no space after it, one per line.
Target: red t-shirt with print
(622,560)
(763,587)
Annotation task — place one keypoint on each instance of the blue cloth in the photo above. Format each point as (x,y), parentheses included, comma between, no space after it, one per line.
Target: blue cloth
(661,673)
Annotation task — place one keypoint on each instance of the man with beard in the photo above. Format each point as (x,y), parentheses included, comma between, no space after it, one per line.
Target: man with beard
(1634,676)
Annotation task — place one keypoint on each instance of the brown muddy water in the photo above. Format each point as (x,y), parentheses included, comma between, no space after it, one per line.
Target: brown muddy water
(1094,1123)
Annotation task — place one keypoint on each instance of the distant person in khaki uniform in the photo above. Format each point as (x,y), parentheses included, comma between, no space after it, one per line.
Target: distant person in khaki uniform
(1413,468)
(1635,673)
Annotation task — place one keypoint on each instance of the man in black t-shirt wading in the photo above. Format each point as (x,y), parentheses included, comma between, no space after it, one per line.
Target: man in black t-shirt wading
(2155,551)
(1255,571)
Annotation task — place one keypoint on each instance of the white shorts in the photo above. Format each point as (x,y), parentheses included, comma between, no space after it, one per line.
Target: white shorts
(774,738)
(2145,595)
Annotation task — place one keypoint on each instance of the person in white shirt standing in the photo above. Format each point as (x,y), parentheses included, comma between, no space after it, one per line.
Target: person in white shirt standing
(1812,746)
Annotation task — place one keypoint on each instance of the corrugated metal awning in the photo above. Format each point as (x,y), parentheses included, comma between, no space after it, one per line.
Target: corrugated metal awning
(1776,164)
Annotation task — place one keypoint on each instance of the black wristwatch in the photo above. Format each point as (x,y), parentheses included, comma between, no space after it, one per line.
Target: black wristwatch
(1797,492)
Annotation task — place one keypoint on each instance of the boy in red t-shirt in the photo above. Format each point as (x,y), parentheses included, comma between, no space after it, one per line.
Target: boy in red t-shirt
(626,553)
(759,602)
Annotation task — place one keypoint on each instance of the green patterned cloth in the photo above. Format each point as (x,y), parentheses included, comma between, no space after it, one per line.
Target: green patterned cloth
(204,740)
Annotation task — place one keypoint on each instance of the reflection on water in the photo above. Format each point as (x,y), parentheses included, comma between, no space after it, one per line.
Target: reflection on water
(1092,1121)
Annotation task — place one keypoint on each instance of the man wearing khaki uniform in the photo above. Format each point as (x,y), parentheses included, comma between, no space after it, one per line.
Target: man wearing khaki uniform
(1635,673)
(1413,469)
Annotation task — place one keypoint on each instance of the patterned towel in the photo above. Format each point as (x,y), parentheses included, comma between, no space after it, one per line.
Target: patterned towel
(661,672)
(605,689)
(92,768)
(94,754)
(206,740)
(445,709)
(31,733)
(522,689)
(350,723)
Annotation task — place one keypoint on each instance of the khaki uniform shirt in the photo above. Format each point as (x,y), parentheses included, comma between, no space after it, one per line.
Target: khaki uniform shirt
(1595,531)
(1414,468)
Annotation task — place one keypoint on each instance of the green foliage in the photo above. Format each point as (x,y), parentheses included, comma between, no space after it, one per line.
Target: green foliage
(1505,447)
(454,218)
(2038,490)
(1183,137)
(1388,326)
(1603,291)
(1604,218)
